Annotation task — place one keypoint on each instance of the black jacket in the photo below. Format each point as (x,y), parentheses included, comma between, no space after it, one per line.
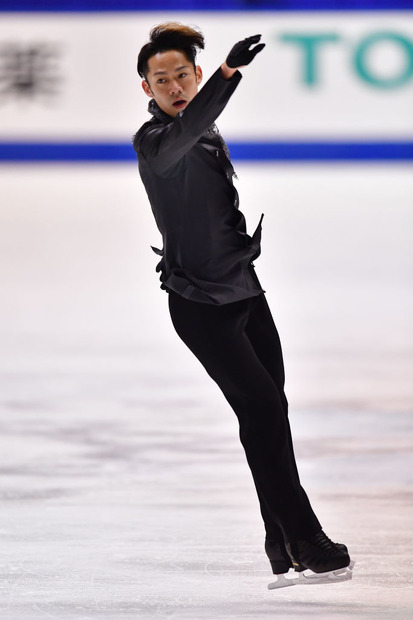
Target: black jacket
(207,253)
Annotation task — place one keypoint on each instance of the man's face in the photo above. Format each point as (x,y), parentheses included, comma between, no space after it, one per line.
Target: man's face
(172,81)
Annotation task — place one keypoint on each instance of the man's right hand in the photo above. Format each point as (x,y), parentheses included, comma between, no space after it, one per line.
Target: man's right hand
(241,54)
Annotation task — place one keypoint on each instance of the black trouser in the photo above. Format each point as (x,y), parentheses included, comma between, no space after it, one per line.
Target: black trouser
(239,346)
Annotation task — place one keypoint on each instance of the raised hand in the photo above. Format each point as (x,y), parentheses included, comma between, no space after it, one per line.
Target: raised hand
(241,54)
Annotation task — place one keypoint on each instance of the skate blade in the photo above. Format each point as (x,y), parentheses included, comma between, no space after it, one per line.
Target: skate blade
(307,577)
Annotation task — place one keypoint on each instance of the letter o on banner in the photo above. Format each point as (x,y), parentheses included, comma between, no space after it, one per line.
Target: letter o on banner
(361,65)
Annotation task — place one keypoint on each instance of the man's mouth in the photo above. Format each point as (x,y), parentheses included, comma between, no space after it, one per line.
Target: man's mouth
(179,104)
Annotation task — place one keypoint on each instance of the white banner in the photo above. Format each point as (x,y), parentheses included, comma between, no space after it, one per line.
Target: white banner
(321,76)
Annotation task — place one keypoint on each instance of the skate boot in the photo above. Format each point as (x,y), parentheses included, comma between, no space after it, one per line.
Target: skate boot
(315,560)
(318,553)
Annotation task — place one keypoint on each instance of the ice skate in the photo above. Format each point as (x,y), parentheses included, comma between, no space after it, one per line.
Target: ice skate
(314,561)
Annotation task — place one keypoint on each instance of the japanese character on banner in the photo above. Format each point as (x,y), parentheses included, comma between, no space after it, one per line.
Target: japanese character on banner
(29,71)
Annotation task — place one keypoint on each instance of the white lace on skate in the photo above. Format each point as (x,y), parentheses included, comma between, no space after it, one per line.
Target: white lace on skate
(308,577)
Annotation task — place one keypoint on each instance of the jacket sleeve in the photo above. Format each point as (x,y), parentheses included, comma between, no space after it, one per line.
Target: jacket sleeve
(164,145)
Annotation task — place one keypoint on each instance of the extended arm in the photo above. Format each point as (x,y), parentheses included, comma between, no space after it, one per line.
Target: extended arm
(164,145)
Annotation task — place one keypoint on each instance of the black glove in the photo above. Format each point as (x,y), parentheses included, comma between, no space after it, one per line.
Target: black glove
(241,55)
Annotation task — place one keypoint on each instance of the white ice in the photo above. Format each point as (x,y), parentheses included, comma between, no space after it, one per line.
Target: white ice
(124,489)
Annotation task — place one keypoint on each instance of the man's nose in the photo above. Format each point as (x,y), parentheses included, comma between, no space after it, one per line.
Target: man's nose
(175,88)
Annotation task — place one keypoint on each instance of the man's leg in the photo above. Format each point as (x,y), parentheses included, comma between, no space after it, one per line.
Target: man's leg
(263,336)
(216,335)
(265,340)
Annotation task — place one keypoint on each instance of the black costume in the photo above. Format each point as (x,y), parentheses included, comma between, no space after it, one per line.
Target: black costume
(216,302)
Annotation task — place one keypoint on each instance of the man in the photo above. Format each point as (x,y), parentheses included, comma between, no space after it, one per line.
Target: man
(216,302)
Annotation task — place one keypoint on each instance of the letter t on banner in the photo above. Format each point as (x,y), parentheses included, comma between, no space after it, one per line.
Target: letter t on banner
(310,43)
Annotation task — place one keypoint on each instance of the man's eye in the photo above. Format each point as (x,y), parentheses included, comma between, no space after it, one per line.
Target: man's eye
(182,75)
(161,81)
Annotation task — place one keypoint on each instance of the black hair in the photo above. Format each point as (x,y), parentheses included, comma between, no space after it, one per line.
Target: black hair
(170,36)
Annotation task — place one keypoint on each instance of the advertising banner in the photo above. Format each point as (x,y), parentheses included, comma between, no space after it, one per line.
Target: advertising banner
(324,77)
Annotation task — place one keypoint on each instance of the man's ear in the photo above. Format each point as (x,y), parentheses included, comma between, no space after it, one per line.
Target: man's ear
(147,88)
(198,74)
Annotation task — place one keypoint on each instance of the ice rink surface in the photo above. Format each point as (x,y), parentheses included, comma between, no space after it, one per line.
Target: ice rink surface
(124,489)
